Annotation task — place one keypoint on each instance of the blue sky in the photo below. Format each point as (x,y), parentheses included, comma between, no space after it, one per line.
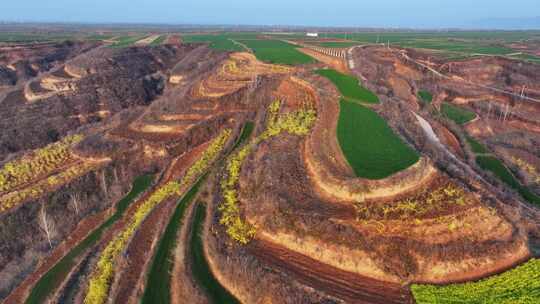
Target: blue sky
(373,13)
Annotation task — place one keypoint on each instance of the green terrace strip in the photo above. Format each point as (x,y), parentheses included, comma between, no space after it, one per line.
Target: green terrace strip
(277,52)
(202,274)
(457,114)
(246,132)
(425,96)
(349,86)
(49,282)
(372,148)
(103,275)
(519,285)
(158,41)
(476,147)
(494,165)
(159,278)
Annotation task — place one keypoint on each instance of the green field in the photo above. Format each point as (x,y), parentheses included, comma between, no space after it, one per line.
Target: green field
(218,42)
(457,114)
(476,147)
(519,285)
(495,166)
(278,52)
(159,40)
(201,271)
(246,133)
(349,86)
(425,96)
(456,45)
(49,282)
(159,278)
(372,148)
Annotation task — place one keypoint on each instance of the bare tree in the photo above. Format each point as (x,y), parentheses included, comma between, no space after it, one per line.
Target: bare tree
(103,181)
(75,201)
(115,175)
(46,224)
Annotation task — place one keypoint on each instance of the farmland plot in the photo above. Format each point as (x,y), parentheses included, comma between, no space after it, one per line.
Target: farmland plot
(373,150)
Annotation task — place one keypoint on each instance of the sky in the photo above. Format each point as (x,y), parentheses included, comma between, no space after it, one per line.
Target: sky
(361,13)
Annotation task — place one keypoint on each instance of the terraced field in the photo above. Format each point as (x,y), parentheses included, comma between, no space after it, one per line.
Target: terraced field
(266,183)
(373,150)
(200,268)
(425,96)
(277,52)
(159,276)
(349,86)
(458,114)
(494,165)
(217,41)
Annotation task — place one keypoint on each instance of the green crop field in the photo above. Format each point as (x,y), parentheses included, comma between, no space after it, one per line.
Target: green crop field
(372,148)
(278,52)
(476,147)
(519,285)
(425,96)
(199,266)
(159,277)
(218,42)
(495,166)
(349,86)
(457,114)
(455,45)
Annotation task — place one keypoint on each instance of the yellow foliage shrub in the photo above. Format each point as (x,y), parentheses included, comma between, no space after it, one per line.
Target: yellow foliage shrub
(296,123)
(38,163)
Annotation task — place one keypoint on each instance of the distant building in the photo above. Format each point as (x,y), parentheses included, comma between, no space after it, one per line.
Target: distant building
(312,34)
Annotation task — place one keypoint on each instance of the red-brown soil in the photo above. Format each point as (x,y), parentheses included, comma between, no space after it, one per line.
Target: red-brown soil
(84,228)
(347,286)
(130,284)
(339,64)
